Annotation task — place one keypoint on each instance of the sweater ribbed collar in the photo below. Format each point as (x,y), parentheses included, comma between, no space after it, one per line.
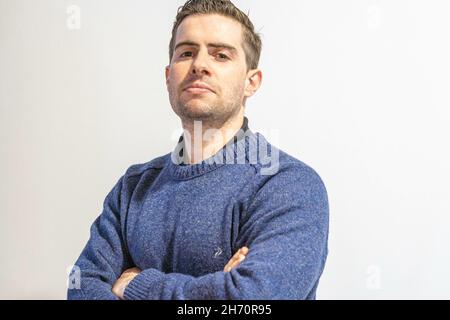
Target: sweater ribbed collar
(234,149)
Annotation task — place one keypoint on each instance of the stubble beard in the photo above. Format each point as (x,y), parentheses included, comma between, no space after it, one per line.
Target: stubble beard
(214,113)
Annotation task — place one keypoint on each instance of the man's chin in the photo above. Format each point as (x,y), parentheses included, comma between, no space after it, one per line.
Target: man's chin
(199,116)
(194,111)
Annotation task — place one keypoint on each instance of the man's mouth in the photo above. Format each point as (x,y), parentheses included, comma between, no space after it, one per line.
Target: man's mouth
(198,88)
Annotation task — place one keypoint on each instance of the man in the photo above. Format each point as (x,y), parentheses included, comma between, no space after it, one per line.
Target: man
(210,220)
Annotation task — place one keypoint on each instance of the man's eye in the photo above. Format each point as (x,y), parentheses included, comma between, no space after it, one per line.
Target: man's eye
(222,56)
(184,54)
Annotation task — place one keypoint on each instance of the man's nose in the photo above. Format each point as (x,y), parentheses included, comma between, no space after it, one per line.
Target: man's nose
(200,64)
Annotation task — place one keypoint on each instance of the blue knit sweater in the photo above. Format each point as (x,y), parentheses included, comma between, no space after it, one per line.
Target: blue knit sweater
(181,224)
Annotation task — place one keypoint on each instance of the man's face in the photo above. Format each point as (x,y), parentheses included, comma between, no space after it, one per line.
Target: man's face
(208,52)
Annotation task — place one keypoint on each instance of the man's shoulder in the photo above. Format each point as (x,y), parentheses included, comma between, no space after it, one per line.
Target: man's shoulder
(293,183)
(138,169)
(293,164)
(279,164)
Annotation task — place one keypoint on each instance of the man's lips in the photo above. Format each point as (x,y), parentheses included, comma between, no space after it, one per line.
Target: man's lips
(198,89)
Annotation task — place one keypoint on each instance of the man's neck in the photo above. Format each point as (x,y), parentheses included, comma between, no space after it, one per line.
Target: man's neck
(205,139)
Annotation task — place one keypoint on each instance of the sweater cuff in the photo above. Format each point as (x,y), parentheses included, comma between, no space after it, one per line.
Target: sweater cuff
(139,288)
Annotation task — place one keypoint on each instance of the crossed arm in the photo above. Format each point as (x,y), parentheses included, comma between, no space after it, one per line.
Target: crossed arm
(128,275)
(285,227)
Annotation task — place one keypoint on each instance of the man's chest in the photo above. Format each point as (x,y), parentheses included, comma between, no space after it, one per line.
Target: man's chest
(190,231)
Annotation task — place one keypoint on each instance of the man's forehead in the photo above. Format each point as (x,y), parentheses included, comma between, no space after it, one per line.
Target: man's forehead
(205,29)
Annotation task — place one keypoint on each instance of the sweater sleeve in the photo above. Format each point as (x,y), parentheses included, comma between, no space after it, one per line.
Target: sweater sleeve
(104,257)
(285,227)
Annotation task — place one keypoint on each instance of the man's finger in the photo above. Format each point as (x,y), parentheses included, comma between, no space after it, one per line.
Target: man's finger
(234,259)
(244,251)
(238,257)
(132,270)
(235,262)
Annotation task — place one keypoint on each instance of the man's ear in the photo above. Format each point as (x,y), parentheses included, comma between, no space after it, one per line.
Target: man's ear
(252,82)
(167,75)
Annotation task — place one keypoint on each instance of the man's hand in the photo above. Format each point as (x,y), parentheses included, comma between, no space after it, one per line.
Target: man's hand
(119,286)
(238,257)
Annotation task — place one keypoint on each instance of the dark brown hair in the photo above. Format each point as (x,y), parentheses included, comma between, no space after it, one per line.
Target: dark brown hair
(252,41)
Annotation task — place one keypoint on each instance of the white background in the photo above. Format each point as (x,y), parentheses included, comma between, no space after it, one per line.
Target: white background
(359,90)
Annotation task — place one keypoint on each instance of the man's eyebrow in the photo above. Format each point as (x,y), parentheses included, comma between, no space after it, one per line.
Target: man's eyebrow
(214,45)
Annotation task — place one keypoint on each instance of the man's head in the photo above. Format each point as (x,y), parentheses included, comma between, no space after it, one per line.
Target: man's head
(213,45)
